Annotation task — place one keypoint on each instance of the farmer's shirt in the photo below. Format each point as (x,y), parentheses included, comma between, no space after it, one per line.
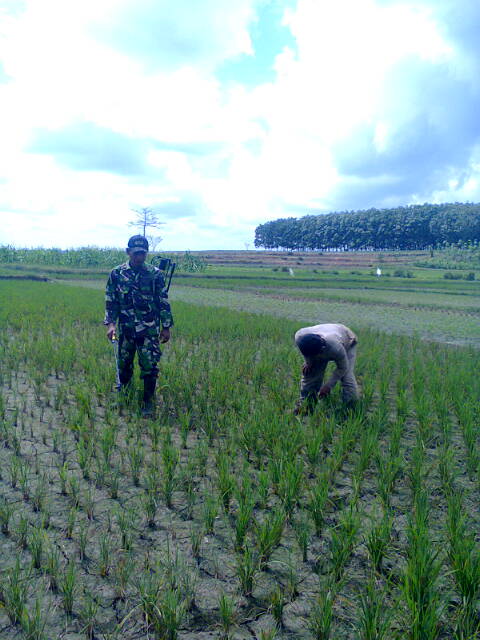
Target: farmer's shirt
(339,340)
(136,297)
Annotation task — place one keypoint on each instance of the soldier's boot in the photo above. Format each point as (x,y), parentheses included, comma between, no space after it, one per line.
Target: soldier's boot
(148,406)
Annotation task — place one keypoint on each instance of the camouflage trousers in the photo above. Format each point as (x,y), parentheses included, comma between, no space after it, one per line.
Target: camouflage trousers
(145,345)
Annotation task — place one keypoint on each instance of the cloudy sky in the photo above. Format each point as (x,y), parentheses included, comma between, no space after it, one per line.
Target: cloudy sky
(220,115)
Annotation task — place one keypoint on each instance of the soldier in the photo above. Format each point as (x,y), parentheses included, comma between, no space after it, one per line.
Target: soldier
(135,298)
(319,345)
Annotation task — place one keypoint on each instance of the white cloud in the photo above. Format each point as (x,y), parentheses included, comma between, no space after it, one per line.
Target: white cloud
(226,157)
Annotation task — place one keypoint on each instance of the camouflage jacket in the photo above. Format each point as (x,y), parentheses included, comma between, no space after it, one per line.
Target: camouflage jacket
(136,298)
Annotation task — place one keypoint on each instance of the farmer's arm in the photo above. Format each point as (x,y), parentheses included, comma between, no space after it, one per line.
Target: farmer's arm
(163,307)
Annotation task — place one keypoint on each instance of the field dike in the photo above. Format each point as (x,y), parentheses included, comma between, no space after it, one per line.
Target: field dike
(226,516)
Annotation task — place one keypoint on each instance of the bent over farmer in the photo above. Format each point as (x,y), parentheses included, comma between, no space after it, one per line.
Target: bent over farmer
(319,345)
(136,299)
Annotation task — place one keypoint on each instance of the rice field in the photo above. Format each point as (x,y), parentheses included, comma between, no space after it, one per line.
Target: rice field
(227,516)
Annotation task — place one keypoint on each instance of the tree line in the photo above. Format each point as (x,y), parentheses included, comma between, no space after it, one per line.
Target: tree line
(403,228)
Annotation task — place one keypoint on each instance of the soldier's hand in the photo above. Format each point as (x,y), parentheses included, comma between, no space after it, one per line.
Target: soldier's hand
(110,331)
(324,392)
(164,335)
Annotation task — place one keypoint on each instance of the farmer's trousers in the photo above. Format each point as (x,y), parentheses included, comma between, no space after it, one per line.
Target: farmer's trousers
(313,380)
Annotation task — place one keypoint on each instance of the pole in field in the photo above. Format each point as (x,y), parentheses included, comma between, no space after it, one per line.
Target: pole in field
(114,342)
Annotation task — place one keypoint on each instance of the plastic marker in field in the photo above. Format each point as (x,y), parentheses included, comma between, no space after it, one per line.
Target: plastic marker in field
(114,342)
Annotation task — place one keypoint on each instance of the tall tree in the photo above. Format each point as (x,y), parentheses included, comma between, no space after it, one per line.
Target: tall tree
(145,219)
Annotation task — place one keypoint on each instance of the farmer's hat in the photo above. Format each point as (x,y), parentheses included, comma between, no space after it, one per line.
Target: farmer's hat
(137,243)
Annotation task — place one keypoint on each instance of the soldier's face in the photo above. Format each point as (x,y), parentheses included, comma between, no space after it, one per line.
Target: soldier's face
(137,258)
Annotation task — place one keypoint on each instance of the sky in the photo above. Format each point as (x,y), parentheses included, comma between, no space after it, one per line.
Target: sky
(220,116)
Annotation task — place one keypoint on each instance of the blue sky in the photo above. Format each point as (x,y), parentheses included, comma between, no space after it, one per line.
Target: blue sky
(222,115)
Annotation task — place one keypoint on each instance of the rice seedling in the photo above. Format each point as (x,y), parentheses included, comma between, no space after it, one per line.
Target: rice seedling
(170,458)
(35,542)
(227,614)
(420,580)
(136,458)
(276,605)
(6,512)
(170,612)
(33,623)
(303,534)
(196,537)
(71,521)
(209,513)
(22,528)
(321,614)
(317,504)
(52,566)
(378,540)
(225,480)
(105,556)
(343,540)
(14,587)
(68,587)
(373,618)
(268,535)
(246,570)
(83,534)
(88,614)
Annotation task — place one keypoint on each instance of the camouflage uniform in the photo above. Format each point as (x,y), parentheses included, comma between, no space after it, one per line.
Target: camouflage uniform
(135,297)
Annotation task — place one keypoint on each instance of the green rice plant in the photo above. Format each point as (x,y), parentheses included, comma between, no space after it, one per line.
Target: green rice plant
(200,457)
(246,570)
(196,537)
(63,476)
(185,427)
(113,484)
(52,566)
(446,470)
(242,520)
(36,541)
(123,572)
(88,502)
(14,471)
(210,512)
(289,485)
(14,585)
(378,540)
(68,587)
(24,480)
(314,446)
(71,521)
(268,634)
(6,512)
(276,605)
(22,528)
(268,535)
(105,555)
(420,580)
(463,554)
(155,432)
(373,617)
(343,540)
(136,458)
(150,505)
(263,488)
(389,468)
(227,613)
(125,519)
(39,494)
(73,490)
(88,615)
(84,456)
(321,614)
(467,623)
(225,480)
(303,533)
(317,503)
(83,537)
(170,458)
(416,469)
(33,623)
(170,612)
